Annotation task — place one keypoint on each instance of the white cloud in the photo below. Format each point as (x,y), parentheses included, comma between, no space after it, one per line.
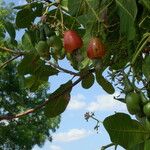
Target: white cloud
(71,135)
(106,103)
(77,102)
(100,103)
(55,147)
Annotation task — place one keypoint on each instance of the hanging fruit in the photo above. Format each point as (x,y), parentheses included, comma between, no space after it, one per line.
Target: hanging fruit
(72,41)
(96,49)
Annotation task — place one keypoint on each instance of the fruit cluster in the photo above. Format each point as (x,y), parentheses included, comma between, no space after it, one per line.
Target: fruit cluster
(73,41)
(50,43)
(137,103)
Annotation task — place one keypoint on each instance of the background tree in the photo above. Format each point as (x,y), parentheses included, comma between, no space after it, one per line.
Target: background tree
(22,133)
(104,41)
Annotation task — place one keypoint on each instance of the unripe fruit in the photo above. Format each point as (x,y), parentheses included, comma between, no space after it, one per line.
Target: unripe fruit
(96,49)
(72,41)
(133,103)
(146,109)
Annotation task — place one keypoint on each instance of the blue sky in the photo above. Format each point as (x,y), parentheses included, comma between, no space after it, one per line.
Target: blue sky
(74,132)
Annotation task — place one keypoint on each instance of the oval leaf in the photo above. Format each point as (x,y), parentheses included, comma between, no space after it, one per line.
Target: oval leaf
(88,81)
(58,100)
(24,18)
(146,68)
(10,29)
(106,85)
(125,131)
(26,42)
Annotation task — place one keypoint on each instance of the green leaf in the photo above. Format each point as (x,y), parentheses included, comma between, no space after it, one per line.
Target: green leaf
(33,83)
(106,85)
(145,3)
(38,9)
(43,71)
(146,68)
(24,18)
(84,63)
(125,131)
(26,42)
(64,4)
(36,6)
(37,69)
(147,145)
(73,6)
(28,64)
(137,147)
(87,20)
(127,11)
(142,146)
(58,100)
(88,81)
(10,29)
(31,64)
(145,22)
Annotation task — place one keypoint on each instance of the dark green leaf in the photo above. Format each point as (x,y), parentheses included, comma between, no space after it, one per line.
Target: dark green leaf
(10,29)
(125,131)
(145,3)
(137,147)
(145,22)
(26,42)
(146,68)
(43,71)
(28,64)
(147,145)
(106,85)
(31,64)
(58,100)
(74,6)
(24,18)
(33,83)
(142,146)
(64,4)
(127,11)
(38,9)
(88,81)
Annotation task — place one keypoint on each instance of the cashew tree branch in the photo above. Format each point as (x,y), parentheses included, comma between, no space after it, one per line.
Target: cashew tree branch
(8,61)
(4,49)
(40,106)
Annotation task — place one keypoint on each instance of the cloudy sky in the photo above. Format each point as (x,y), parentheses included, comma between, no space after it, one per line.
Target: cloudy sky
(75,133)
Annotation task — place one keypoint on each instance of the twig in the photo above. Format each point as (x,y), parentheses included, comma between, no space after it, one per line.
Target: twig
(107,146)
(10,51)
(62,69)
(96,119)
(62,19)
(140,47)
(10,117)
(8,61)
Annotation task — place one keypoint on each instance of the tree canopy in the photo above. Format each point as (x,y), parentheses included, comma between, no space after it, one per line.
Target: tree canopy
(25,132)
